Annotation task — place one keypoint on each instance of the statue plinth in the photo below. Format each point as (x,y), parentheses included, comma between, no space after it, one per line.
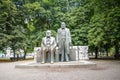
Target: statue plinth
(70,64)
(76,53)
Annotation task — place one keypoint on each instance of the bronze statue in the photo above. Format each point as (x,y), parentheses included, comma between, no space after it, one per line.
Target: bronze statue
(63,41)
(48,45)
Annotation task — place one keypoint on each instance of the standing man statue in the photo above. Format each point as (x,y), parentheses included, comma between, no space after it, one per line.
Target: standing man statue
(48,45)
(63,41)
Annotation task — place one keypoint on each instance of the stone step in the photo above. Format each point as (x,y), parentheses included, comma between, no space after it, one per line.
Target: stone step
(70,64)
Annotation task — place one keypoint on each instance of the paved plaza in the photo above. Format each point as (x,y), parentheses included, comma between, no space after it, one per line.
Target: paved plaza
(105,70)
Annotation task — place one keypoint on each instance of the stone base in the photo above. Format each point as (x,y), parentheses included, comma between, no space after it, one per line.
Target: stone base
(71,64)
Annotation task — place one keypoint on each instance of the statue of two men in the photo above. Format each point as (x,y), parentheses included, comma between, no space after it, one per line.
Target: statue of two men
(63,40)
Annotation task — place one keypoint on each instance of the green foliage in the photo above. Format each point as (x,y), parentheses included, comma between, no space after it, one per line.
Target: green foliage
(7,23)
(92,22)
(113,21)
(96,30)
(49,2)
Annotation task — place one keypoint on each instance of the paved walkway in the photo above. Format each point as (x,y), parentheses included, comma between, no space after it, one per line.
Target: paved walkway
(105,70)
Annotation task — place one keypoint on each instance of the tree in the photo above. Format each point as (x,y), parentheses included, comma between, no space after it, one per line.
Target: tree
(113,21)
(96,32)
(9,30)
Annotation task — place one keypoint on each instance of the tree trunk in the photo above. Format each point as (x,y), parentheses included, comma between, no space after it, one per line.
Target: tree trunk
(25,52)
(25,55)
(106,50)
(116,49)
(14,53)
(96,52)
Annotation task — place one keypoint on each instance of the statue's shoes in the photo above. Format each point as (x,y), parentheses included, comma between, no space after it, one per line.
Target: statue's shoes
(42,62)
(51,62)
(67,60)
(62,60)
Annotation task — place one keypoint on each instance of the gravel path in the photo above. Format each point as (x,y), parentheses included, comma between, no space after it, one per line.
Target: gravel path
(105,70)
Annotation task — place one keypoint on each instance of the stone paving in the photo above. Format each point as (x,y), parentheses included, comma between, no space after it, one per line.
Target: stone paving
(105,70)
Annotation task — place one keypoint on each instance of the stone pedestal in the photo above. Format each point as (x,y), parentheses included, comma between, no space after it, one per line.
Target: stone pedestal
(74,56)
(83,52)
(57,55)
(37,55)
(79,53)
(70,64)
(76,53)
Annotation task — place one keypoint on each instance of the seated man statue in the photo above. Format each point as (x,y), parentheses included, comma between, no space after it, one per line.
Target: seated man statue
(48,45)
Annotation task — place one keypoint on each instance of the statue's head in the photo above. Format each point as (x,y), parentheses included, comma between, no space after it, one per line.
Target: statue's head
(63,25)
(48,33)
